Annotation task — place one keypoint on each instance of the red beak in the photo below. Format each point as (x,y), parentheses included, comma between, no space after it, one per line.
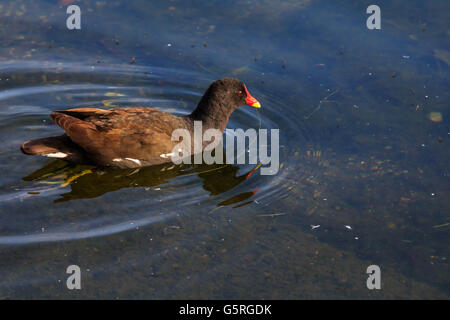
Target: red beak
(250,100)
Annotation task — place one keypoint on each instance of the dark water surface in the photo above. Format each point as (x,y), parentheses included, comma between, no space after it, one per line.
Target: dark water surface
(364,151)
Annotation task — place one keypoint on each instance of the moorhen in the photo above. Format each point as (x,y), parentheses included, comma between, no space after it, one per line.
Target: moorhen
(136,137)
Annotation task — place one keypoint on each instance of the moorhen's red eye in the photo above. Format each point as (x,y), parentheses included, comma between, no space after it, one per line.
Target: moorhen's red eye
(239,93)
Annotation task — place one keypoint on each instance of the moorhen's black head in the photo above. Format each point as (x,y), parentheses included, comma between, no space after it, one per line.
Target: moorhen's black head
(220,100)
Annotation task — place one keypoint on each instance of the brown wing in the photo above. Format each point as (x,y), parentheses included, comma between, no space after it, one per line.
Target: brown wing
(83,113)
(138,133)
(83,133)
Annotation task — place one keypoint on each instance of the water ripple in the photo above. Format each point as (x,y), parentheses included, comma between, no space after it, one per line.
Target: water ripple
(36,189)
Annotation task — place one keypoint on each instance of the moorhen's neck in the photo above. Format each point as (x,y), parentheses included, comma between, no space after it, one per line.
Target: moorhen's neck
(213,110)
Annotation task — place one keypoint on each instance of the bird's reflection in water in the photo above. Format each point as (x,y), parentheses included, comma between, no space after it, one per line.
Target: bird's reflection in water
(91,182)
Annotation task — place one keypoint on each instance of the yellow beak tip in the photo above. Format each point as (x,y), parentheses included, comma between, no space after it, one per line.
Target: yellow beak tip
(256,105)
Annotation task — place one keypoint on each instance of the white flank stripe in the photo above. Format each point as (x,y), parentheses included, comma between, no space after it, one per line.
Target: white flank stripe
(134,160)
(56,155)
(166,155)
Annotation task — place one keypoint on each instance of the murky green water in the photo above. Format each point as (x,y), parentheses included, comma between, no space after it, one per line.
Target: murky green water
(364,175)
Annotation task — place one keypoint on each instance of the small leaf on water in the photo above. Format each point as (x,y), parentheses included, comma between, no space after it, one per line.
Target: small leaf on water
(109,103)
(435,116)
(114,94)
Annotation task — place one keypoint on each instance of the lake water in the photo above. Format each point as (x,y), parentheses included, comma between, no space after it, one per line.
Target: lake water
(364,151)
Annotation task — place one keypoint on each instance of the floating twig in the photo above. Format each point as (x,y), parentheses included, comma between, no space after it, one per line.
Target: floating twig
(272,214)
(320,103)
(442,225)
